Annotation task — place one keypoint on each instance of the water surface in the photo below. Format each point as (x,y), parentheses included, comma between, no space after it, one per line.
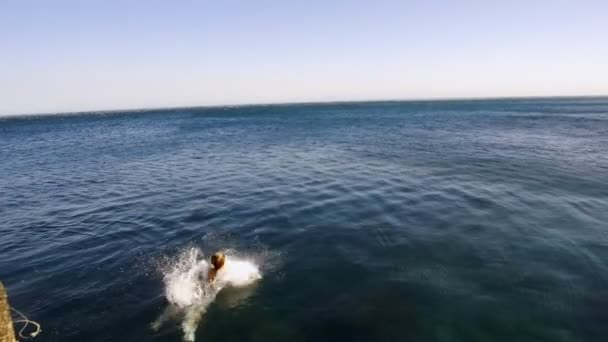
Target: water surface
(391,221)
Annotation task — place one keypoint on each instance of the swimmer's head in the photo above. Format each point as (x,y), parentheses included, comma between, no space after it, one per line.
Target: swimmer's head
(217,260)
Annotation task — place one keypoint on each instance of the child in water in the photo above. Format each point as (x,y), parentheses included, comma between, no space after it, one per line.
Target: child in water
(217,262)
(190,292)
(222,272)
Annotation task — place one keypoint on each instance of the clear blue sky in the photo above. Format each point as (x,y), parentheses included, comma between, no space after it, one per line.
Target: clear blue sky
(94,55)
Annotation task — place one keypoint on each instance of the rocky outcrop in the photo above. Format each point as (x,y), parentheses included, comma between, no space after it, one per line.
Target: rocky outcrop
(7,334)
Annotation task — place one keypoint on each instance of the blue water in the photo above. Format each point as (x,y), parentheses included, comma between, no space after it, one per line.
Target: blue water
(394,221)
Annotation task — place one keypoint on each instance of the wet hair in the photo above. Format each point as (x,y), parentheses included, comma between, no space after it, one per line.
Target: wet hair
(217,260)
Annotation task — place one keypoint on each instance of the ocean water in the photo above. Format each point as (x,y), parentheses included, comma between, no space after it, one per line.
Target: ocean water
(389,221)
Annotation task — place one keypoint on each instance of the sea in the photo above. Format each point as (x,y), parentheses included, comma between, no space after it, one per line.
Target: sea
(422,221)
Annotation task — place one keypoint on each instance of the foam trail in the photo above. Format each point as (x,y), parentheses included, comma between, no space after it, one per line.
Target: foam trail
(188,292)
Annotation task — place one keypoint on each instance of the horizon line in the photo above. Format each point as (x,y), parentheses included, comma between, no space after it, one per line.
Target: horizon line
(288,103)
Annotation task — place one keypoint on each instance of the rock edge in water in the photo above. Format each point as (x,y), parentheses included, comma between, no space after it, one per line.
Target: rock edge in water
(7,334)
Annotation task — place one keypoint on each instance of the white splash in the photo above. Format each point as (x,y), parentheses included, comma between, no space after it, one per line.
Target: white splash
(188,292)
(238,273)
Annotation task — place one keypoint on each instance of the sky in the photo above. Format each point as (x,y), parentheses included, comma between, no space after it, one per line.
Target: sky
(65,56)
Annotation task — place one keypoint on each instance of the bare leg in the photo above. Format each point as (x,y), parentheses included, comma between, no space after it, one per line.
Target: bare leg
(191,320)
(169,312)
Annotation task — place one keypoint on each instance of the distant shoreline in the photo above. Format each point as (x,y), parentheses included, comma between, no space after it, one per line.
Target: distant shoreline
(305,103)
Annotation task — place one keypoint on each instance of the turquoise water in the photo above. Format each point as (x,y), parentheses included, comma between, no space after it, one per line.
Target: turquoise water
(389,221)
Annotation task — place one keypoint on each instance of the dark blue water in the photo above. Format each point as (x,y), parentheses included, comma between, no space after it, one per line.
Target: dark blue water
(415,221)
